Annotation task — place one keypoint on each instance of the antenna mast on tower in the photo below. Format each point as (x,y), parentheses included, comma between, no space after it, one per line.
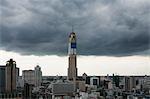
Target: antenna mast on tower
(72,28)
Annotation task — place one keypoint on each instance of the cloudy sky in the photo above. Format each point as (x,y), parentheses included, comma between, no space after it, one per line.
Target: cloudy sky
(112,35)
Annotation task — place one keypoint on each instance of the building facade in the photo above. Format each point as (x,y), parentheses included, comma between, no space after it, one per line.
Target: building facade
(10,74)
(61,88)
(28,76)
(38,76)
(2,78)
(33,77)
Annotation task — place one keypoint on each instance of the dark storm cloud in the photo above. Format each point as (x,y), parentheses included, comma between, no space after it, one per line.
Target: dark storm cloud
(103,27)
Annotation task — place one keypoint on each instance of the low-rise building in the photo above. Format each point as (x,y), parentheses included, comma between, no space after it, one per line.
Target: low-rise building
(63,88)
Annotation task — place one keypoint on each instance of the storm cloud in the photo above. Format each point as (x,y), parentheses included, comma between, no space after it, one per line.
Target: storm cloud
(103,27)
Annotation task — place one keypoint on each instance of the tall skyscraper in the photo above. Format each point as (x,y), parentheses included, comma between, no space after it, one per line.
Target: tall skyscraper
(10,75)
(38,76)
(72,70)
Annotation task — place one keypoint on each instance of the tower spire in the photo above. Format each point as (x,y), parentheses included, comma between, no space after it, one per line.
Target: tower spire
(72,28)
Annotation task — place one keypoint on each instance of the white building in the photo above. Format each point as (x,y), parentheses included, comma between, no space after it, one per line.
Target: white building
(94,81)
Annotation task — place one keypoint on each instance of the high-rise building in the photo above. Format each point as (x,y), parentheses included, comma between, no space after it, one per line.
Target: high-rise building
(32,77)
(17,76)
(130,83)
(116,80)
(127,84)
(28,76)
(72,70)
(10,74)
(38,76)
(2,79)
(27,92)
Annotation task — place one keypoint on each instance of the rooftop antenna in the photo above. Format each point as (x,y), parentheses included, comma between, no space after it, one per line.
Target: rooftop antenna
(72,28)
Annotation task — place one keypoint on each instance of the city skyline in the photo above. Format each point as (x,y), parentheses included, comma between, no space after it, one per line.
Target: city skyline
(109,40)
(133,65)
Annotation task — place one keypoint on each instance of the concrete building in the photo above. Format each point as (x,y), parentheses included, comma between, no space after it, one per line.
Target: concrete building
(130,83)
(72,70)
(20,83)
(10,74)
(2,78)
(17,76)
(27,92)
(146,85)
(38,76)
(63,88)
(28,76)
(81,85)
(33,77)
(127,84)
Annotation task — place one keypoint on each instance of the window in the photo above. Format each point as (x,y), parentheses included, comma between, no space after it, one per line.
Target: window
(95,82)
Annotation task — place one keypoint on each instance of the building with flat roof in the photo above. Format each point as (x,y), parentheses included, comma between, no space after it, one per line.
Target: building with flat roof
(63,88)
(33,77)
(28,76)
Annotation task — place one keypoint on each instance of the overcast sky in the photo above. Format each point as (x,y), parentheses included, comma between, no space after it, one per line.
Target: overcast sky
(104,28)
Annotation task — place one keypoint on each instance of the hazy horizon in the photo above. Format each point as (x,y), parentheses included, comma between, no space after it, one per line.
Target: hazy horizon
(92,65)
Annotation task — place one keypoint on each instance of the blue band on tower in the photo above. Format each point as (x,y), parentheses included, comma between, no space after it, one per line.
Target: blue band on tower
(73,45)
